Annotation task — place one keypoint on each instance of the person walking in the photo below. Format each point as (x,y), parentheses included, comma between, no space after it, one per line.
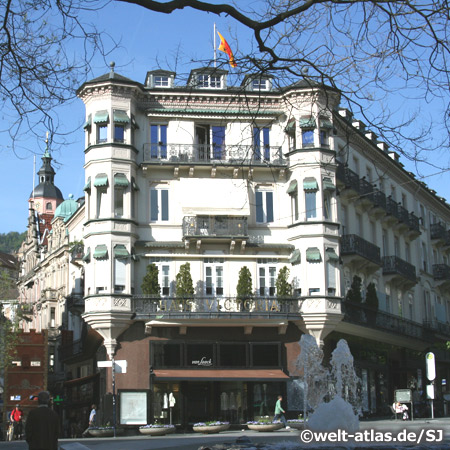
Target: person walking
(16,420)
(92,420)
(42,425)
(279,413)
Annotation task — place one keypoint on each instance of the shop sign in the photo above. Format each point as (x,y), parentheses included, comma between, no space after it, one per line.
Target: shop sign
(203,362)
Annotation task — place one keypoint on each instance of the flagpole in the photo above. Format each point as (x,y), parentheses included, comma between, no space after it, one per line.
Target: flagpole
(215,44)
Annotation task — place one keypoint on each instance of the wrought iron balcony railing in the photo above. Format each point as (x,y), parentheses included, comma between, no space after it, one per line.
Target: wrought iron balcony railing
(366,190)
(352,244)
(391,207)
(362,315)
(217,307)
(210,153)
(348,177)
(215,226)
(441,272)
(396,265)
(414,223)
(379,198)
(438,231)
(403,214)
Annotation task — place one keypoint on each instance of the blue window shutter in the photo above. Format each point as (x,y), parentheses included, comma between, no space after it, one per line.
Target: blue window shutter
(269,206)
(257,143)
(266,144)
(154,141)
(163,139)
(154,204)
(164,204)
(259,208)
(218,138)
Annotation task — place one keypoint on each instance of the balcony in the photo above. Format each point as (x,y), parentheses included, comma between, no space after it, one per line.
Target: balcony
(414,226)
(441,272)
(361,315)
(348,181)
(379,201)
(366,192)
(216,308)
(215,227)
(75,303)
(437,327)
(213,154)
(438,232)
(354,245)
(398,268)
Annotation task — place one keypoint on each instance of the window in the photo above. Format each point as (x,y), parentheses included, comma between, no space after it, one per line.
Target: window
(232,355)
(331,278)
(213,279)
(118,202)
(265,355)
(120,274)
(267,280)
(166,355)
(307,138)
(52,318)
(159,204)
(158,141)
(324,135)
(260,84)
(264,206)
(119,132)
(160,81)
(101,202)
(164,279)
(310,204)
(218,140)
(261,139)
(327,205)
(48,206)
(102,132)
(209,81)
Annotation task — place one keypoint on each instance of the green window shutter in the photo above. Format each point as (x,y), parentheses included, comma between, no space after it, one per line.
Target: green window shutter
(101,252)
(328,184)
(325,123)
(308,122)
(120,180)
(101,180)
(120,251)
(310,184)
(87,256)
(292,187)
(295,257)
(313,254)
(120,116)
(101,117)
(331,254)
(88,122)
(87,186)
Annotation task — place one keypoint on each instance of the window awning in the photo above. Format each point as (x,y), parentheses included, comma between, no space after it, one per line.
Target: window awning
(325,123)
(87,257)
(221,374)
(310,184)
(101,252)
(120,180)
(101,117)
(331,254)
(134,184)
(120,251)
(290,127)
(292,187)
(313,254)
(120,116)
(328,184)
(295,257)
(101,180)
(88,122)
(87,186)
(308,122)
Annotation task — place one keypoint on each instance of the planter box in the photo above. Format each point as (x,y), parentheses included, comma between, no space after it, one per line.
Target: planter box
(265,427)
(107,432)
(157,431)
(210,429)
(296,425)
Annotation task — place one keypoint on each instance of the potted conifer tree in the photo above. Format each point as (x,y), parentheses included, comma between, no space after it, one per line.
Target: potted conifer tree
(371,303)
(244,289)
(184,288)
(283,287)
(150,285)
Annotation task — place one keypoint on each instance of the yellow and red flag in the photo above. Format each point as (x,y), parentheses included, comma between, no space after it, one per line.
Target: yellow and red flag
(224,47)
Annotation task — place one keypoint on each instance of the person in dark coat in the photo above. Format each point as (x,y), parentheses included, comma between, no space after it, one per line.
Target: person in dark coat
(42,425)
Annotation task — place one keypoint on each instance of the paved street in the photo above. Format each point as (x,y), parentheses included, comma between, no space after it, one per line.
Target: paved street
(193,441)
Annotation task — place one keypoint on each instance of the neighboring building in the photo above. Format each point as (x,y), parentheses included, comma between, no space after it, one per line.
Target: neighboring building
(224,178)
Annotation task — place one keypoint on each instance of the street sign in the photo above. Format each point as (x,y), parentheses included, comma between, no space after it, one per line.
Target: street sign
(120,365)
(430,366)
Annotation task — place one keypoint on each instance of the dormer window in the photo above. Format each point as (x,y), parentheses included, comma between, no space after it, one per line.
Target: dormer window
(161,81)
(209,81)
(260,84)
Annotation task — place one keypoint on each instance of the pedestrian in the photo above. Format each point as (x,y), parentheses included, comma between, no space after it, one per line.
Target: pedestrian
(279,412)
(42,425)
(16,420)
(92,420)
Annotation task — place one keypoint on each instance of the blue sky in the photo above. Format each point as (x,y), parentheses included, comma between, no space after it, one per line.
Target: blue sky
(148,41)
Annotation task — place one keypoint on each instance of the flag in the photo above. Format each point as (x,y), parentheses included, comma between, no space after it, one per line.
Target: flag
(224,47)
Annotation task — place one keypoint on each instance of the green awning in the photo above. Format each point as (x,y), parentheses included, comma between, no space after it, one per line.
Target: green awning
(120,180)
(325,123)
(331,254)
(292,187)
(310,184)
(101,116)
(308,122)
(87,186)
(87,257)
(120,251)
(134,184)
(295,257)
(101,180)
(290,127)
(313,254)
(88,122)
(120,116)
(101,252)
(327,184)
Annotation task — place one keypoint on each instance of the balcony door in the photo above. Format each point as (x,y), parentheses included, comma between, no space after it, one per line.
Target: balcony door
(202,142)
(214,279)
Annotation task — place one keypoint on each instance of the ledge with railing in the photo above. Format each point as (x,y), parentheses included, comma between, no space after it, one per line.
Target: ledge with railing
(213,154)
(441,272)
(215,226)
(352,244)
(396,265)
(438,231)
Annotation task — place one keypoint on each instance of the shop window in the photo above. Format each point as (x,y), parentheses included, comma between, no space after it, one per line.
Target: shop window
(166,355)
(266,355)
(200,355)
(232,355)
